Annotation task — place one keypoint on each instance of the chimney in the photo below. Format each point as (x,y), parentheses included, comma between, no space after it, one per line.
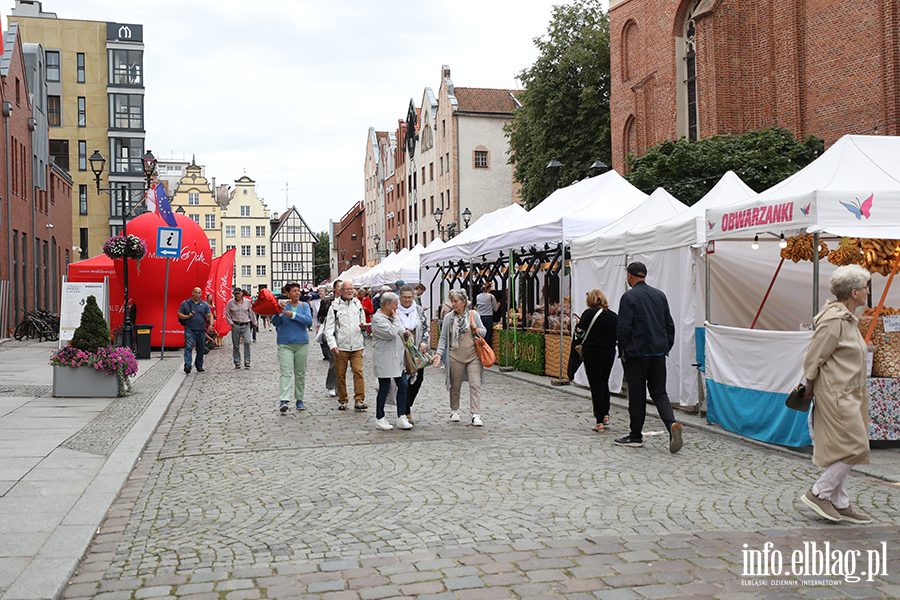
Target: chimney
(446,71)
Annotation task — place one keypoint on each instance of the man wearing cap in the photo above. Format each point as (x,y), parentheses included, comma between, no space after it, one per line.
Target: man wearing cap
(344,329)
(646,334)
(239,314)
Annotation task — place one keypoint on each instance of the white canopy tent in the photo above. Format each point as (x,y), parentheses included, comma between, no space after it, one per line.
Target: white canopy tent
(461,247)
(354,271)
(404,268)
(567,213)
(375,277)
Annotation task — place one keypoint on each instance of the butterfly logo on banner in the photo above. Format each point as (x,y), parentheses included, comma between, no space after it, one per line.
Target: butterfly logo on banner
(860,209)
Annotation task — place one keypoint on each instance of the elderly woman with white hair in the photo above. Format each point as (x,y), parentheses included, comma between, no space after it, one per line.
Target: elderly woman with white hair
(389,360)
(458,332)
(835,370)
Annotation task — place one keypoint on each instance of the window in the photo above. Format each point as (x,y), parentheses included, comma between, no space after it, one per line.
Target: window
(245,211)
(212,246)
(195,218)
(443,127)
(431,171)
(80,66)
(690,60)
(210,222)
(83,241)
(260,270)
(82,199)
(298,267)
(52,65)
(82,155)
(82,112)
(288,267)
(59,153)
(481,159)
(229,231)
(245,270)
(127,154)
(193,199)
(245,231)
(353,237)
(260,250)
(54,111)
(125,67)
(246,286)
(448,162)
(260,231)
(298,247)
(245,250)
(126,111)
(227,248)
(134,193)
(18,92)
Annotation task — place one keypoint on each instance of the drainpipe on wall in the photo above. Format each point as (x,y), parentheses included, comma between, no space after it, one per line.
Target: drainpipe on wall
(7,111)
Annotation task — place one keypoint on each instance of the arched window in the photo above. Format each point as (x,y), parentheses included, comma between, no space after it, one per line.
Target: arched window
(629,136)
(690,61)
(631,50)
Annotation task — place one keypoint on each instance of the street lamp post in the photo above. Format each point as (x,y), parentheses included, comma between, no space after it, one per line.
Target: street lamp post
(396,242)
(149,166)
(554,168)
(377,240)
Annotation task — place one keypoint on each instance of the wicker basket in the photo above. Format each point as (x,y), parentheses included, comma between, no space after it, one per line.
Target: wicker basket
(495,340)
(886,361)
(551,355)
(435,333)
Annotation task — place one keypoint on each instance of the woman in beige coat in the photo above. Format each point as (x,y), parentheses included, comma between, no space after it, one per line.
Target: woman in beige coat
(835,369)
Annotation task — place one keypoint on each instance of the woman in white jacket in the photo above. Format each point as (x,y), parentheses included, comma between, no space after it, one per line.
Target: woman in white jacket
(388,359)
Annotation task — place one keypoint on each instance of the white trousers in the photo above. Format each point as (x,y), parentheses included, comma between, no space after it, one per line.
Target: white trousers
(832,485)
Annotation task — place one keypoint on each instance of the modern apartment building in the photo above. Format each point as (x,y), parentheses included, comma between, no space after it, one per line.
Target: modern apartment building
(245,227)
(94,75)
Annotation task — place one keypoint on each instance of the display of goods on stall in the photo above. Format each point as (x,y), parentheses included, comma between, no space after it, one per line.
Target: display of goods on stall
(800,247)
(885,311)
(435,333)
(886,360)
(877,256)
(551,354)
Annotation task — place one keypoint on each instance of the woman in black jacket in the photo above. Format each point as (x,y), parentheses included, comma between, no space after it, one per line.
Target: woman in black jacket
(598,352)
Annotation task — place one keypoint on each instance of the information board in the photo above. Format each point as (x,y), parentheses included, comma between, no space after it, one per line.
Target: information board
(168,242)
(74,299)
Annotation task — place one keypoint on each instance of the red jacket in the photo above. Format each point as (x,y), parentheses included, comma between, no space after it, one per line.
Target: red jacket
(367,306)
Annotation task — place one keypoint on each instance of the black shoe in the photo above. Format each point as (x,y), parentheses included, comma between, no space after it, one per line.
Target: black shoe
(675,441)
(629,442)
(201,370)
(187,368)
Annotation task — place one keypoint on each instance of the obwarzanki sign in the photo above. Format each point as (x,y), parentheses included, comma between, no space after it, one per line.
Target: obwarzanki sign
(758,215)
(748,218)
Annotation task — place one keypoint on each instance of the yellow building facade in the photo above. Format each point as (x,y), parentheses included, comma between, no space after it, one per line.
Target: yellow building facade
(245,227)
(195,197)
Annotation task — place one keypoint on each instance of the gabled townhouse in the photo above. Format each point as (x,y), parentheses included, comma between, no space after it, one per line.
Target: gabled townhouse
(245,227)
(293,251)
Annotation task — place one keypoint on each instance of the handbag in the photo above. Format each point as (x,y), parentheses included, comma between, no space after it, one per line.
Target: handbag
(796,400)
(579,341)
(485,352)
(414,359)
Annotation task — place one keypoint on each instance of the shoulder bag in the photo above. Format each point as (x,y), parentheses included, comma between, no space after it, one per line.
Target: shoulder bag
(485,352)
(579,342)
(796,400)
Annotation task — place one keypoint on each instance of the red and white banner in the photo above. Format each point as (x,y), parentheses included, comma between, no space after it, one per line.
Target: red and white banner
(219,285)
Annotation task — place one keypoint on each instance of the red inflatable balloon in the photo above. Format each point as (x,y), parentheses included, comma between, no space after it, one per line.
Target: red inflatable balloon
(146,283)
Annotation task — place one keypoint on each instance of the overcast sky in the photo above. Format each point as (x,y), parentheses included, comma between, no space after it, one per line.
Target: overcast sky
(287,89)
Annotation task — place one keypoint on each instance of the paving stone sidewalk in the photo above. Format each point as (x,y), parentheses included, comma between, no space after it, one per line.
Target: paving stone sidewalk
(232,500)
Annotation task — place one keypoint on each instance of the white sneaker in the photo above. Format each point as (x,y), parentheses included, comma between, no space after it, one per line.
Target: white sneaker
(454,416)
(403,423)
(383,424)
(332,393)
(476,420)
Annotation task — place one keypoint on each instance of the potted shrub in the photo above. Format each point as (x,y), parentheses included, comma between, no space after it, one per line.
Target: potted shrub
(89,367)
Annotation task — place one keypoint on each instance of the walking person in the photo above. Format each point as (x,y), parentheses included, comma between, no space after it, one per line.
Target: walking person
(240,316)
(835,367)
(194,315)
(417,327)
(254,328)
(389,360)
(487,305)
(344,329)
(645,336)
(366,302)
(322,316)
(292,337)
(598,352)
(457,338)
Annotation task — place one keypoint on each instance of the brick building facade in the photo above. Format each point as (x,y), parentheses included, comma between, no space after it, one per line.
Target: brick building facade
(348,239)
(36,231)
(696,68)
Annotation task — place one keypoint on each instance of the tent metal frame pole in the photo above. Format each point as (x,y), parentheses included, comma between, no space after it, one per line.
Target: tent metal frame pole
(815,278)
(708,291)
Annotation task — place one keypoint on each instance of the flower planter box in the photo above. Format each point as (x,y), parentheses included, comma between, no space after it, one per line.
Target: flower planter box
(83,382)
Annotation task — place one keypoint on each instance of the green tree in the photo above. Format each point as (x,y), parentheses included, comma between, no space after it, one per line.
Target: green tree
(322,268)
(564,110)
(93,331)
(688,170)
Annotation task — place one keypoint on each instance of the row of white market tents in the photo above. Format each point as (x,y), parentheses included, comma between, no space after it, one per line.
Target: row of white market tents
(608,223)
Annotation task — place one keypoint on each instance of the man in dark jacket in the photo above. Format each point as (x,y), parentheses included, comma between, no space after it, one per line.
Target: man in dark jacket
(646,334)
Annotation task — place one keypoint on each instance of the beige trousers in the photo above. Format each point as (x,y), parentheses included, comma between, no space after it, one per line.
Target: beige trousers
(457,371)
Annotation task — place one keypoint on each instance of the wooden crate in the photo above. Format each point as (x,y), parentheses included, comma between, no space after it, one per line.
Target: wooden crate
(551,354)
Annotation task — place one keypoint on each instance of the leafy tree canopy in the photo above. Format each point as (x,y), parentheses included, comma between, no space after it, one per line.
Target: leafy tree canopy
(322,267)
(565,102)
(688,170)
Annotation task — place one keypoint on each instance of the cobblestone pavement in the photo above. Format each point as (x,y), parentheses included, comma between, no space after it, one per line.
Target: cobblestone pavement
(232,500)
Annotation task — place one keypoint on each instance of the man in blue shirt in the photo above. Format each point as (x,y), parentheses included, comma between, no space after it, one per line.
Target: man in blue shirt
(195,315)
(645,336)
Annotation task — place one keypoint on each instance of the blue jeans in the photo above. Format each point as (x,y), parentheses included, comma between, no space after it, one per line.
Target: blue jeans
(194,337)
(384,386)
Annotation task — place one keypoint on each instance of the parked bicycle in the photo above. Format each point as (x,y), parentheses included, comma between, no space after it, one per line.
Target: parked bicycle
(34,326)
